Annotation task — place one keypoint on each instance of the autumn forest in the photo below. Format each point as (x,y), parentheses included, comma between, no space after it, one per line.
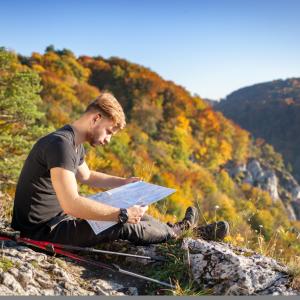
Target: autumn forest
(172,138)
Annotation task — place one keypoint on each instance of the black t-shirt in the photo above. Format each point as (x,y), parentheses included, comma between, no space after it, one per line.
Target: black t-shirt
(35,200)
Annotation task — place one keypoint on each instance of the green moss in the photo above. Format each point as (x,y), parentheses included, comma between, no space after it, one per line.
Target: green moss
(5,264)
(35,264)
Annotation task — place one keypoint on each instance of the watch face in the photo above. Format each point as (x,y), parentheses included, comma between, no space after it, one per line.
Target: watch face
(123,217)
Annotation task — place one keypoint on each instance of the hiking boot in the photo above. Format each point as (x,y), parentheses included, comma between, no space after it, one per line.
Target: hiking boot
(189,221)
(216,231)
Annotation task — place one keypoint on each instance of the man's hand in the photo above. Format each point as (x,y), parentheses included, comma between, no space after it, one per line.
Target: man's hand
(135,213)
(132,179)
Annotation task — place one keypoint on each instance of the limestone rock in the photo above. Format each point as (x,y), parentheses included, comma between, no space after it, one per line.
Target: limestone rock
(296,193)
(226,271)
(280,184)
(291,212)
(32,273)
(296,208)
(255,169)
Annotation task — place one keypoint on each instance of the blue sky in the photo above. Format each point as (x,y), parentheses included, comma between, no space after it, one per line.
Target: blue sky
(211,47)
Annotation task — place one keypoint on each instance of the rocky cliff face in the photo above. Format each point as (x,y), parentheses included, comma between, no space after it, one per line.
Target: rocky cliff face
(220,268)
(282,186)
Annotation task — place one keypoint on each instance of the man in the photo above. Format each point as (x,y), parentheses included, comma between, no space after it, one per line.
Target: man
(47,205)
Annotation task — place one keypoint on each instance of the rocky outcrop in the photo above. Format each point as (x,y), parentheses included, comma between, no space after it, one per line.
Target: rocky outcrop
(296,208)
(254,174)
(229,270)
(281,185)
(24,271)
(223,269)
(220,267)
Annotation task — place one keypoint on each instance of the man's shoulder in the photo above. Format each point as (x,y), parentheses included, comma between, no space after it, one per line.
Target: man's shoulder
(61,136)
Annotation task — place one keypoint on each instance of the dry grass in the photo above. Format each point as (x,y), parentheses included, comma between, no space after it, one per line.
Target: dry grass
(294,270)
(6,205)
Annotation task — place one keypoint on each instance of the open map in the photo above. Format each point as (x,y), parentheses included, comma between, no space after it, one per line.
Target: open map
(125,196)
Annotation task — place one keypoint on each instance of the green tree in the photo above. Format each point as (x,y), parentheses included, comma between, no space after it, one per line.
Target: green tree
(20,118)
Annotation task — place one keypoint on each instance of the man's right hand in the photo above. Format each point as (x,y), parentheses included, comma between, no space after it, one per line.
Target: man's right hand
(135,213)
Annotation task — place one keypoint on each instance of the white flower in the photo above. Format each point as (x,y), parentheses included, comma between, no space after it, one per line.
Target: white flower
(217,207)
(261,226)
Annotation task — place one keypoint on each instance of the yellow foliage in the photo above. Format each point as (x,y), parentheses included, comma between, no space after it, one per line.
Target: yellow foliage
(38,68)
(219,205)
(225,182)
(144,170)
(225,150)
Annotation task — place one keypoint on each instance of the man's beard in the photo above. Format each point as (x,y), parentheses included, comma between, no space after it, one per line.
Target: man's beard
(90,138)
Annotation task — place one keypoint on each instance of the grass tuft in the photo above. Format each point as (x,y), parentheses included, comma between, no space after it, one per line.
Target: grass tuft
(175,271)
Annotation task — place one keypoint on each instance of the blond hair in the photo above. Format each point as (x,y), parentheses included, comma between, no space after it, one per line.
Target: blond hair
(109,106)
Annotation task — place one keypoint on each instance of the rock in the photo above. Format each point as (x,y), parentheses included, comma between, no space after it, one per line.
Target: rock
(280,184)
(224,270)
(270,183)
(255,169)
(287,181)
(25,276)
(248,179)
(296,207)
(296,193)
(291,212)
(132,291)
(149,250)
(45,284)
(10,282)
(108,288)
(33,273)
(236,170)
(5,291)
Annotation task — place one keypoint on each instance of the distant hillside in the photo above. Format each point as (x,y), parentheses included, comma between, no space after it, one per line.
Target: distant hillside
(270,111)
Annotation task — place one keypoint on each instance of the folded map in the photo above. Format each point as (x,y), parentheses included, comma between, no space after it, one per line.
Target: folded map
(125,196)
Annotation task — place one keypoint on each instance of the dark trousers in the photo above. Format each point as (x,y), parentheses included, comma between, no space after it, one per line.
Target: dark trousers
(78,232)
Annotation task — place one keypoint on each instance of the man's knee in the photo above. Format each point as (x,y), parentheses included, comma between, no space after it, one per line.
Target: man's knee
(147,232)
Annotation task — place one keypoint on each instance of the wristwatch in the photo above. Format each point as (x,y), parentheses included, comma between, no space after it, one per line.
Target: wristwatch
(123,216)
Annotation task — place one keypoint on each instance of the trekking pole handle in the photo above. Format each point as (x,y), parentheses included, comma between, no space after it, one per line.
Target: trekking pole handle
(12,235)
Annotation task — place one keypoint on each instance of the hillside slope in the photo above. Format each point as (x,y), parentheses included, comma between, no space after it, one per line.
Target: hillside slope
(172,139)
(270,111)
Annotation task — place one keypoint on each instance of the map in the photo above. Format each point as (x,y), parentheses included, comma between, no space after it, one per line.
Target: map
(125,196)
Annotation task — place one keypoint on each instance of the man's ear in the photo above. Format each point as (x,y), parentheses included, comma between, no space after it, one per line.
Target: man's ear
(96,117)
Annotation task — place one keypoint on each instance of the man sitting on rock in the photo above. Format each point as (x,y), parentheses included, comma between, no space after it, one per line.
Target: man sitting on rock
(47,205)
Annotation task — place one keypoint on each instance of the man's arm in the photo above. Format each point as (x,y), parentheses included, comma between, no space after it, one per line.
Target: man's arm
(65,186)
(100,180)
